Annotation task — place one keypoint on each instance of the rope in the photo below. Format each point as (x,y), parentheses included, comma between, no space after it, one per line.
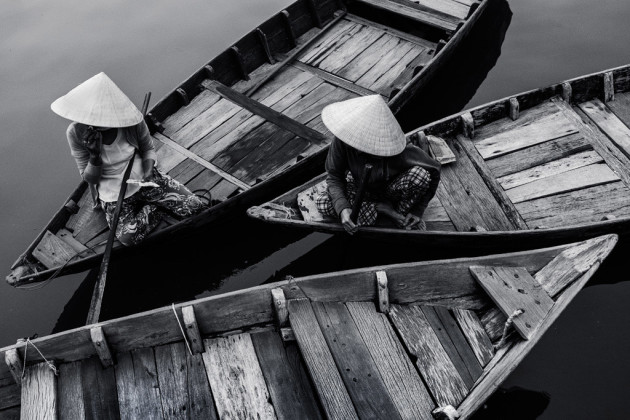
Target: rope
(206,195)
(508,322)
(289,213)
(50,363)
(181,329)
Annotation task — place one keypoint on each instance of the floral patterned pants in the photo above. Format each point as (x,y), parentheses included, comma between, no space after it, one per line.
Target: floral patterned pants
(403,192)
(141,212)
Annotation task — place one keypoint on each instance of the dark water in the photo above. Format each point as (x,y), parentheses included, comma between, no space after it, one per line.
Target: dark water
(46,48)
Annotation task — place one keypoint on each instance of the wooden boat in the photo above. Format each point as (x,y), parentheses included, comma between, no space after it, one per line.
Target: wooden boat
(543,167)
(387,342)
(246,126)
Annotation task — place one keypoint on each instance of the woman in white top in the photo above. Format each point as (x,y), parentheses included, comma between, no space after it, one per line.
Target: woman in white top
(106,132)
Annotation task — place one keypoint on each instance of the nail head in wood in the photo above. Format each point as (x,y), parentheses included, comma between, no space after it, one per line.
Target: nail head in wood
(265,44)
(609,87)
(192,329)
(383,292)
(567,92)
(468,125)
(13,361)
(287,334)
(281,311)
(101,346)
(445,413)
(514,109)
(286,18)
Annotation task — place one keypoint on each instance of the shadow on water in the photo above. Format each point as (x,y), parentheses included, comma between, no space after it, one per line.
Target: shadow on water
(514,403)
(243,253)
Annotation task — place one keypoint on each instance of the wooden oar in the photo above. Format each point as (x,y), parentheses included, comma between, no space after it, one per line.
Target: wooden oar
(358,198)
(99,287)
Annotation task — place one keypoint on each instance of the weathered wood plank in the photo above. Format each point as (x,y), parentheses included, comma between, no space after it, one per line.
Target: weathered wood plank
(573,262)
(75,221)
(475,334)
(493,321)
(546,128)
(183,383)
(237,383)
(556,167)
(9,393)
(621,107)
(137,385)
(368,58)
(93,226)
(185,114)
(206,180)
(186,171)
(192,329)
(486,129)
(440,150)
(168,157)
(422,17)
(538,155)
(99,390)
(439,373)
(587,205)
(71,405)
(514,289)
(52,251)
(465,196)
(67,237)
(39,393)
(435,212)
(345,53)
(390,78)
(393,31)
(403,383)
(12,413)
(449,7)
(609,123)
(334,79)
(223,190)
(335,43)
(354,362)
(586,176)
(330,387)
(391,57)
(454,343)
(291,392)
(327,40)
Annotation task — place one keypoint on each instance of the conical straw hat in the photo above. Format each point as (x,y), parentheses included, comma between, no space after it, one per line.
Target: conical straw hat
(98,102)
(367,124)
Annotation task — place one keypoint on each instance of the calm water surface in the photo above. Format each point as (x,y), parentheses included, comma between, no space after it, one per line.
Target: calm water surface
(46,48)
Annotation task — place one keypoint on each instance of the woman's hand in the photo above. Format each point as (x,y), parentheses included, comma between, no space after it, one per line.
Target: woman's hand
(388,210)
(147,167)
(93,142)
(347,223)
(414,222)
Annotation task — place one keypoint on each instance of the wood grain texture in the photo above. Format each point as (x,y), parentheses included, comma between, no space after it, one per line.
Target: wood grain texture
(575,179)
(237,383)
(420,16)
(587,205)
(368,58)
(487,129)
(330,387)
(291,392)
(450,7)
(9,393)
(539,154)
(66,236)
(514,289)
(39,393)
(493,321)
(466,197)
(99,390)
(186,114)
(184,387)
(573,262)
(609,123)
(70,391)
(354,362)
(556,167)
(391,57)
(168,157)
(399,375)
(439,373)
(137,385)
(52,251)
(390,78)
(476,336)
(192,329)
(346,52)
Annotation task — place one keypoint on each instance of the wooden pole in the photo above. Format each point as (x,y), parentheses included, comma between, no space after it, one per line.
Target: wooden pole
(358,199)
(99,288)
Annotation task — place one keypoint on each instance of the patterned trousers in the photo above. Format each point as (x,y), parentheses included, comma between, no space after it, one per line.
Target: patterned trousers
(141,212)
(403,192)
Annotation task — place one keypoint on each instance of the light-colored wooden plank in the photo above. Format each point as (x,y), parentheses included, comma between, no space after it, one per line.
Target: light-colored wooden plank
(385,83)
(435,211)
(420,16)
(192,329)
(334,79)
(237,383)
(9,393)
(609,123)
(449,7)
(403,383)
(514,289)
(573,262)
(66,236)
(292,395)
(335,44)
(330,387)
(94,225)
(137,385)
(587,205)
(78,219)
(168,157)
(328,39)
(368,58)
(101,346)
(547,128)
(52,251)
(99,390)
(440,150)
(538,155)
(280,307)
(70,390)
(383,292)
(391,57)
(475,334)
(586,176)
(439,373)
(354,362)
(350,49)
(39,393)
(556,167)
(183,383)
(526,117)
(185,114)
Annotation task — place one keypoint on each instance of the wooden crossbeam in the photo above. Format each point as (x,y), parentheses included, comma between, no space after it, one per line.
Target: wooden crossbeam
(270,114)
(334,79)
